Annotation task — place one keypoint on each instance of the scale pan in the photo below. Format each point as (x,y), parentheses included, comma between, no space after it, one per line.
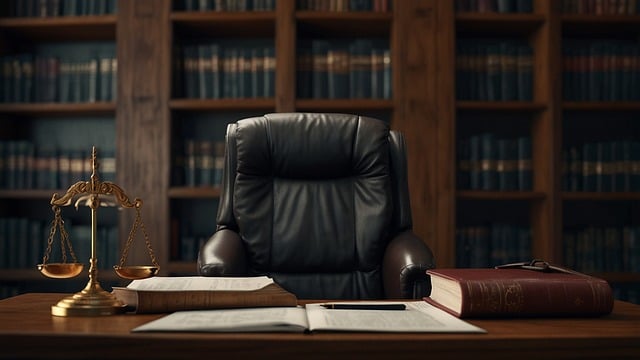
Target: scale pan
(60,270)
(136,272)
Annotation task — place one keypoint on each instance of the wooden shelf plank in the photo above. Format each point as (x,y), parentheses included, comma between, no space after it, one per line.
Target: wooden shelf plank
(59,109)
(194,192)
(499,195)
(343,104)
(64,28)
(222,104)
(601,196)
(501,106)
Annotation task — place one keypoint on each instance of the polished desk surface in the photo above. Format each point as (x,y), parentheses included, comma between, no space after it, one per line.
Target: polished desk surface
(28,330)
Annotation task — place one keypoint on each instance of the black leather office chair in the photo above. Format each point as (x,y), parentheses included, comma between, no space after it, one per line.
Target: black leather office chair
(320,203)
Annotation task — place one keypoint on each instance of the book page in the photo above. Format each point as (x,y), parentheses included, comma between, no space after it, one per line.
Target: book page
(200,283)
(418,317)
(278,319)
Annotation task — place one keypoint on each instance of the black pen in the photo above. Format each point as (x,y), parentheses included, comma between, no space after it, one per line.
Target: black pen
(364,306)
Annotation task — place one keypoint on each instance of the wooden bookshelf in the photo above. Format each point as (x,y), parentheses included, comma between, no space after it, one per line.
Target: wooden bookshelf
(422,36)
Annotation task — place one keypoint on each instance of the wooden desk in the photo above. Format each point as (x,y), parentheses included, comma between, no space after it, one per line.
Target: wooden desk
(28,330)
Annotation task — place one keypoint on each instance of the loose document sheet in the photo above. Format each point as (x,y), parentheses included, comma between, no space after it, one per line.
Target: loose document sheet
(419,316)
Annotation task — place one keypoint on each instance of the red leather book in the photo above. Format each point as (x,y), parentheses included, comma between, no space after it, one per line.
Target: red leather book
(518,292)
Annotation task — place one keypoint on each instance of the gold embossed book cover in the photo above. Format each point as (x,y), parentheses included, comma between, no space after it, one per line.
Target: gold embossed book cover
(518,292)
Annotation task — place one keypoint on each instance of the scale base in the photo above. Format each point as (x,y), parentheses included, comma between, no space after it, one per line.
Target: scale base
(92,301)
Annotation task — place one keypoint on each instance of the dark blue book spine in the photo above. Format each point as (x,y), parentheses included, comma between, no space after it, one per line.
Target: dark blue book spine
(190,162)
(215,71)
(604,168)
(463,76)
(617,166)
(524,6)
(463,249)
(360,69)
(568,72)
(626,160)
(626,64)
(4,243)
(108,165)
(203,77)
(481,246)
(502,164)
(218,162)
(474,162)
(304,71)
(244,63)
(596,75)
(493,73)
(377,73)
(3,164)
(480,70)
(320,49)
(488,150)
(589,167)
(257,73)
(464,164)
(207,163)
(64,169)
(635,166)
(189,64)
(387,75)
(269,72)
(525,73)
(338,73)
(525,167)
(508,75)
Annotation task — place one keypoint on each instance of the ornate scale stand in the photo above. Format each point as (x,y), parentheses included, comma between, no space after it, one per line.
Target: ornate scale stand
(93,300)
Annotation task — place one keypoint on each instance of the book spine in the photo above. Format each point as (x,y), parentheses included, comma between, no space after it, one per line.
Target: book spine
(338,74)
(514,298)
(488,161)
(525,167)
(525,73)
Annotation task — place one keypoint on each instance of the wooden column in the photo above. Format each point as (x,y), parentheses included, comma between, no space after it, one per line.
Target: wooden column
(413,50)
(142,120)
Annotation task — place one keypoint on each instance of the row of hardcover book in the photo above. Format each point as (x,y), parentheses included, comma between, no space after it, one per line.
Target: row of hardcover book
(601,7)
(628,293)
(602,166)
(601,70)
(497,6)
(334,69)
(200,164)
(213,71)
(494,70)
(190,245)
(29,78)
(492,245)
(54,8)
(225,5)
(603,249)
(487,162)
(23,242)
(591,249)
(345,5)
(23,165)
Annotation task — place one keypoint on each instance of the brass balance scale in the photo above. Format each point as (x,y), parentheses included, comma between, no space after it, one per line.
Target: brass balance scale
(93,300)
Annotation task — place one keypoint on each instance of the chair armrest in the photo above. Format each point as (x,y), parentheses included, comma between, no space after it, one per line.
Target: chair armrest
(404,267)
(223,255)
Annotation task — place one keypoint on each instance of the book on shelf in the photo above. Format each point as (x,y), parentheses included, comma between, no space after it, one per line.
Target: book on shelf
(418,316)
(177,293)
(519,290)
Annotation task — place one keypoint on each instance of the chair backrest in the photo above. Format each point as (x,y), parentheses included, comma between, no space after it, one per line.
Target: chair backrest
(315,199)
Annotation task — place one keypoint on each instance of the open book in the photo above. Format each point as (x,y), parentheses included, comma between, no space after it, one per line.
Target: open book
(168,294)
(418,317)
